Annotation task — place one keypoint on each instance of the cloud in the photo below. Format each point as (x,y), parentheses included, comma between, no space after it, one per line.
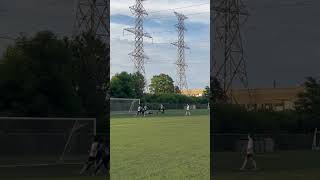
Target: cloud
(162,54)
(160,10)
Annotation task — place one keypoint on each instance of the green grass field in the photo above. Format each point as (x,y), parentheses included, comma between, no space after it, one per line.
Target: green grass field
(59,172)
(158,147)
(290,165)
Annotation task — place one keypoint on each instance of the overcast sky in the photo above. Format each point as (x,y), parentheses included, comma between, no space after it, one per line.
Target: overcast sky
(161,25)
(282,41)
(282,37)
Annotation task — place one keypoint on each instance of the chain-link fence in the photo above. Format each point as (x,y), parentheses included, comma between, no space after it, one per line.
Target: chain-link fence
(262,142)
(156,106)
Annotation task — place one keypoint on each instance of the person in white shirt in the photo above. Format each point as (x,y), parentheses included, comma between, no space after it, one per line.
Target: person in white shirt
(92,155)
(162,108)
(188,110)
(249,154)
(145,110)
(139,112)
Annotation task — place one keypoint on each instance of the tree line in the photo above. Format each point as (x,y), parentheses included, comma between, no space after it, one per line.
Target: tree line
(47,76)
(161,89)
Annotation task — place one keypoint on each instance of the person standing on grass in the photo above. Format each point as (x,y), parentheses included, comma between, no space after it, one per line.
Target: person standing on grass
(188,113)
(139,110)
(249,154)
(104,161)
(145,110)
(92,155)
(162,108)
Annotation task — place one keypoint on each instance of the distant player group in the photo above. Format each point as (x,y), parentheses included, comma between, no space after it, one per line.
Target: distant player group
(143,110)
(99,157)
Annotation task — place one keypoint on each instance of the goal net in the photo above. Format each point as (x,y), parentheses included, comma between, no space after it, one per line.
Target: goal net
(28,141)
(123,105)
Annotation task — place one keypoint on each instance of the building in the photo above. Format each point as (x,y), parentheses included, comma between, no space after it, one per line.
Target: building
(278,99)
(193,92)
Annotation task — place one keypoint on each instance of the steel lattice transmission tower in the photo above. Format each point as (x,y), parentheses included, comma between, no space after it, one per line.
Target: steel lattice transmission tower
(138,54)
(92,16)
(181,62)
(229,64)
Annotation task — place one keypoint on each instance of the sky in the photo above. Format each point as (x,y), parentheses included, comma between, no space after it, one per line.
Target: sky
(160,23)
(282,41)
(281,37)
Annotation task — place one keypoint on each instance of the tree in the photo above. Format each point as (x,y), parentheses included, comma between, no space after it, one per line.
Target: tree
(91,68)
(120,85)
(36,78)
(309,100)
(161,84)
(127,85)
(217,94)
(138,84)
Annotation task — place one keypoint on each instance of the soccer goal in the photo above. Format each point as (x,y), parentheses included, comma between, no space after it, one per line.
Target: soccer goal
(123,105)
(316,141)
(29,141)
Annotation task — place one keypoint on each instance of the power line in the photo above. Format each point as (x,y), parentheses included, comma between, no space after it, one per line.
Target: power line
(171,9)
(183,7)
(163,17)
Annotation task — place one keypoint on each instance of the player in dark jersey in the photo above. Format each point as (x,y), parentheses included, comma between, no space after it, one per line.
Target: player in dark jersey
(104,161)
(92,155)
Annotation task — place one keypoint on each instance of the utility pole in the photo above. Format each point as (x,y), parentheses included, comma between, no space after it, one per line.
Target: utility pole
(181,62)
(138,54)
(229,63)
(92,16)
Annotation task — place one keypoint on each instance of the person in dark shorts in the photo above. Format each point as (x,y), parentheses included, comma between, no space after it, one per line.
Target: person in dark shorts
(249,154)
(140,110)
(104,161)
(92,155)
(162,108)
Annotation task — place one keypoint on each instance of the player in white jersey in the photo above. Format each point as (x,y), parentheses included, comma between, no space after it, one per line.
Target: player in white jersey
(249,154)
(92,155)
(188,113)
(162,108)
(140,110)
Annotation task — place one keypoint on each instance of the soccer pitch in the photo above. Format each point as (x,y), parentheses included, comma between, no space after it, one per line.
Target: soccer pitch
(50,172)
(285,165)
(165,146)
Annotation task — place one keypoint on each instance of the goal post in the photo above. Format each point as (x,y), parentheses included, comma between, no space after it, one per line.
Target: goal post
(316,138)
(27,141)
(123,105)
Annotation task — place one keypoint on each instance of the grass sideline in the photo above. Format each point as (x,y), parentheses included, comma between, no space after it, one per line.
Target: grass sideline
(166,146)
(60,172)
(286,165)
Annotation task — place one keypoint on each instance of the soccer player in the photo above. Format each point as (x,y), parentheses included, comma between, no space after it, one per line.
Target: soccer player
(99,152)
(92,155)
(139,110)
(162,108)
(104,161)
(145,110)
(188,113)
(249,155)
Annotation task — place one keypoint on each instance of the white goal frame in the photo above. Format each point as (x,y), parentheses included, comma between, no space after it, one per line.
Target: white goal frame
(75,127)
(127,99)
